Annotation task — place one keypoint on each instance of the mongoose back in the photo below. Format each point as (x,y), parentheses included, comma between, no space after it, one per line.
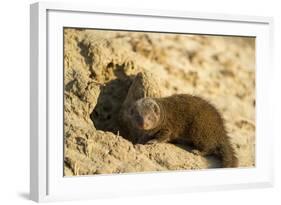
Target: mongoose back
(183,117)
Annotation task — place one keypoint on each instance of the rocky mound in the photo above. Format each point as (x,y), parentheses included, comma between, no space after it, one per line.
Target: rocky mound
(101,70)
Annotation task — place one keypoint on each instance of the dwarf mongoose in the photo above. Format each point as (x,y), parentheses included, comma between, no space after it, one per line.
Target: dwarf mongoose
(183,117)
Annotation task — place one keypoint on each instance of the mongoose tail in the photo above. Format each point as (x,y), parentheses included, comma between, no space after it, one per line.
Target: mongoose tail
(229,158)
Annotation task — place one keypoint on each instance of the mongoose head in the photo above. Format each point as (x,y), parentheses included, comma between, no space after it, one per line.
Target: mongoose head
(144,114)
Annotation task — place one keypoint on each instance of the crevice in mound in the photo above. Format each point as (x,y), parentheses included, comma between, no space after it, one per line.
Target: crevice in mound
(87,55)
(67,164)
(85,52)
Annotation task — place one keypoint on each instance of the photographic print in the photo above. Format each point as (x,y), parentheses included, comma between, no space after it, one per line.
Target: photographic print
(137,101)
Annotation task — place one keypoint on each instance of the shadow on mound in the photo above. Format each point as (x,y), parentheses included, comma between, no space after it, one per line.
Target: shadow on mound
(110,99)
(213,161)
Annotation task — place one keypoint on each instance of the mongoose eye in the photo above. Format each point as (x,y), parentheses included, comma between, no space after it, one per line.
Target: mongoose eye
(155,109)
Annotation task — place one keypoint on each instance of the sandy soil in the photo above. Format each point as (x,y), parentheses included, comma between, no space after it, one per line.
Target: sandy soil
(99,69)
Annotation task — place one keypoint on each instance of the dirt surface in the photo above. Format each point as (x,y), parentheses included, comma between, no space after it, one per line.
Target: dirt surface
(101,66)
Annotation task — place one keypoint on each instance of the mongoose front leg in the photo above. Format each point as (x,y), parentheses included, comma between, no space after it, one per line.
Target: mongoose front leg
(143,139)
(160,137)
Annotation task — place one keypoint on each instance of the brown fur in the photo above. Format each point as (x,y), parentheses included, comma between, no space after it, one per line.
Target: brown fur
(187,118)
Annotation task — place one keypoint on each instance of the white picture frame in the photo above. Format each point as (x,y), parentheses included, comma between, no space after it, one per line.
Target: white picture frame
(46,137)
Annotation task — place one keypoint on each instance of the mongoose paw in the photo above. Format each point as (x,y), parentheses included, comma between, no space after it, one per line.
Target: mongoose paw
(198,153)
(195,152)
(154,141)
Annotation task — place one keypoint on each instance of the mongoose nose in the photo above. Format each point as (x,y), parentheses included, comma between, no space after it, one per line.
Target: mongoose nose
(139,121)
